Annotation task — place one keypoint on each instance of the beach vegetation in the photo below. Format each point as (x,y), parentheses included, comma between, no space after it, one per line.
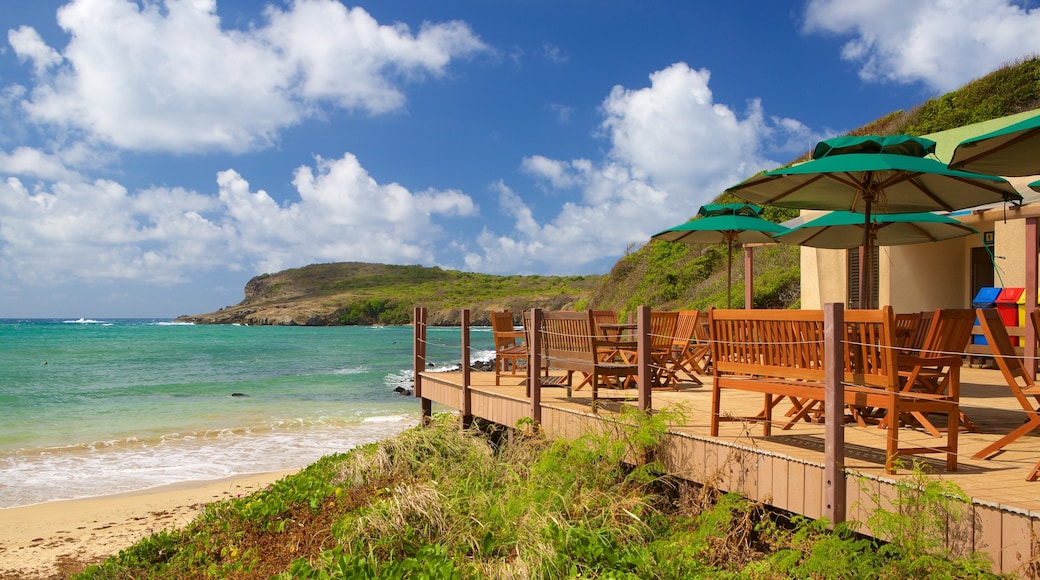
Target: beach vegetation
(443,502)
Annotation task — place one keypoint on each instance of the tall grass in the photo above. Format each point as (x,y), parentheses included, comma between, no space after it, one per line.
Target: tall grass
(440,502)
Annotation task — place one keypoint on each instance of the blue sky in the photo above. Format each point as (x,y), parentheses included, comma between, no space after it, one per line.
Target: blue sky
(157,154)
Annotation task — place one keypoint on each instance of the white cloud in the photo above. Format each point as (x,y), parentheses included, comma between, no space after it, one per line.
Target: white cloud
(166,76)
(27,161)
(554,53)
(101,232)
(29,46)
(941,43)
(342,215)
(672,149)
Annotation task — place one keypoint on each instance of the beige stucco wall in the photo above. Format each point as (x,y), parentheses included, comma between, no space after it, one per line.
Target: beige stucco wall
(928,276)
(1009,253)
(911,278)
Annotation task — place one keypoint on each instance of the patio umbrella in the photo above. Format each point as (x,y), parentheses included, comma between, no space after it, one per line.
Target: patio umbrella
(1035,186)
(844,229)
(887,175)
(734,223)
(1013,150)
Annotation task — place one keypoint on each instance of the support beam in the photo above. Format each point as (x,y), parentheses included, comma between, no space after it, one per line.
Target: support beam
(534,365)
(1032,250)
(834,413)
(466,413)
(419,348)
(644,380)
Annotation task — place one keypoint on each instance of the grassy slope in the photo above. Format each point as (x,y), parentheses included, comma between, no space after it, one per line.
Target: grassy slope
(443,503)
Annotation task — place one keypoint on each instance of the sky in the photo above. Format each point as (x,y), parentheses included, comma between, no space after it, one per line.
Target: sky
(157,154)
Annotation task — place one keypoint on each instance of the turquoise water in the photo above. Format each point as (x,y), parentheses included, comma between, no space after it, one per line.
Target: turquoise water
(91,407)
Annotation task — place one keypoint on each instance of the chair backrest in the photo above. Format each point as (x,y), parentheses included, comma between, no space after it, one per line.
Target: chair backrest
(567,337)
(685,329)
(603,317)
(789,343)
(502,329)
(949,331)
(906,327)
(924,325)
(662,329)
(1009,363)
(703,332)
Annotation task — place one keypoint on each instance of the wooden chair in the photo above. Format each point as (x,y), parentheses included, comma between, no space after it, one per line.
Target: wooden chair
(906,328)
(1012,367)
(936,367)
(510,348)
(662,335)
(684,347)
(702,349)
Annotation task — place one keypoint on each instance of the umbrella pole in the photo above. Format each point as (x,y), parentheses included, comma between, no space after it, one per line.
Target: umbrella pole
(866,257)
(729,273)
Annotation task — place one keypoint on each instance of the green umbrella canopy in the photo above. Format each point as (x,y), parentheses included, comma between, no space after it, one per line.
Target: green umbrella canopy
(897,144)
(721,229)
(1013,150)
(713,209)
(844,229)
(880,182)
(726,224)
(1035,186)
(873,183)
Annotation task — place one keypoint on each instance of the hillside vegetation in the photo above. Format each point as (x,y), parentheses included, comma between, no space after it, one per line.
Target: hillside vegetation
(366,294)
(663,275)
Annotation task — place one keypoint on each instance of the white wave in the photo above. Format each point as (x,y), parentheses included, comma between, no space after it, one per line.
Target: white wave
(171,323)
(350,371)
(84,321)
(44,477)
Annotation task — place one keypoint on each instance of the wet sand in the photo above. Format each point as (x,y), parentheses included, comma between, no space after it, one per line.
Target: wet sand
(54,539)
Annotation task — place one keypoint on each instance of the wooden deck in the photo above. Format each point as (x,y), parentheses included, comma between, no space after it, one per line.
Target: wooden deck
(785,470)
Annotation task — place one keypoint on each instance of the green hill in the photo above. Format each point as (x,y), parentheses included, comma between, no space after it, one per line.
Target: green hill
(360,293)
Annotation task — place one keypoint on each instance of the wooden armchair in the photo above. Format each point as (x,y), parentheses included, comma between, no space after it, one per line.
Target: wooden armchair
(1013,368)
(662,335)
(935,370)
(510,348)
(685,348)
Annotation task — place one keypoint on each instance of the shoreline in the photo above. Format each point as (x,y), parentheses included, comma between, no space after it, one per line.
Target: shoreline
(54,539)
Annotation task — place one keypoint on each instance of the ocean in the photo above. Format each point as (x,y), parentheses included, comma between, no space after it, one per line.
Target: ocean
(95,407)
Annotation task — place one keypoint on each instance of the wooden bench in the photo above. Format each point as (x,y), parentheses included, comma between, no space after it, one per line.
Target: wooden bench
(780,353)
(569,342)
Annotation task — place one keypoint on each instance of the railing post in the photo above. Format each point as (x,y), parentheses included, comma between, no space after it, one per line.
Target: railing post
(834,412)
(466,414)
(534,365)
(644,379)
(1032,249)
(419,347)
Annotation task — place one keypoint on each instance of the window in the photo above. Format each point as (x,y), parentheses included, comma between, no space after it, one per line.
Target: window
(853,276)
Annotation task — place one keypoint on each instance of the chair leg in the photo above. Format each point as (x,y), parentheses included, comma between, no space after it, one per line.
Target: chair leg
(1034,474)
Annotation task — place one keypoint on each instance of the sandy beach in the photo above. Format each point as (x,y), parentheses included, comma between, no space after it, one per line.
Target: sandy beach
(54,539)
